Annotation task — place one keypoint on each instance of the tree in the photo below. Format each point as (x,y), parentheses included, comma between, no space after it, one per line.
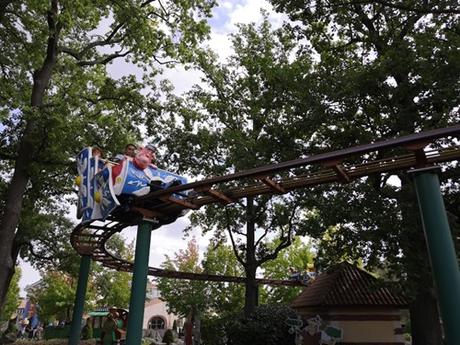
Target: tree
(209,302)
(298,257)
(57,94)
(193,293)
(239,119)
(207,298)
(106,287)
(223,298)
(56,296)
(12,297)
(113,287)
(386,69)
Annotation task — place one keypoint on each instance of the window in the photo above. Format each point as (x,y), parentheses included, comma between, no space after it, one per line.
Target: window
(156,323)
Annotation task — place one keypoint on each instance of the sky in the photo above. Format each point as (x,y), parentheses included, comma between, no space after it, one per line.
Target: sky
(169,239)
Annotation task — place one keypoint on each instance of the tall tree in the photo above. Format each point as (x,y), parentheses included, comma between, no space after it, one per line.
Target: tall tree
(56,296)
(112,288)
(193,294)
(386,69)
(207,298)
(57,95)
(241,118)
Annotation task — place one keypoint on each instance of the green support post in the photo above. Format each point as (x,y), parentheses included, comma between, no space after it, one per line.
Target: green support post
(139,284)
(441,248)
(75,329)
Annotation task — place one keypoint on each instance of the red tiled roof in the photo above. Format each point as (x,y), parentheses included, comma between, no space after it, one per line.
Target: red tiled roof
(347,285)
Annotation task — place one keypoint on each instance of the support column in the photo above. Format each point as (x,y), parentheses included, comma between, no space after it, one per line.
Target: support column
(139,284)
(75,329)
(441,249)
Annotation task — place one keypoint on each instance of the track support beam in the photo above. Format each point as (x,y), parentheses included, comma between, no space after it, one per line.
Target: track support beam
(441,248)
(139,284)
(75,328)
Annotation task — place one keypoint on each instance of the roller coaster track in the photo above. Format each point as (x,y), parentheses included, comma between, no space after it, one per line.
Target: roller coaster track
(414,151)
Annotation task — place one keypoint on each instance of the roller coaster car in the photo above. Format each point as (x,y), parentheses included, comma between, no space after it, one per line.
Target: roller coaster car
(109,189)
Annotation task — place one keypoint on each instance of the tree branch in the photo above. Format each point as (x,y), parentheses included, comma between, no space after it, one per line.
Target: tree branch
(38,256)
(235,251)
(261,237)
(42,76)
(164,62)
(78,55)
(285,240)
(3,5)
(104,60)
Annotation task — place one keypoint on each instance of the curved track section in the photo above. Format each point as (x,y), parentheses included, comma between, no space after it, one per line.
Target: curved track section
(162,207)
(90,239)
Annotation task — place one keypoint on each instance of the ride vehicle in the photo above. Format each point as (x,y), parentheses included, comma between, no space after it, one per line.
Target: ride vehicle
(107,188)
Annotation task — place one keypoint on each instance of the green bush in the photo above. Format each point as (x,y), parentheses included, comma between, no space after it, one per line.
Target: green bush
(168,338)
(266,326)
(213,331)
(52,342)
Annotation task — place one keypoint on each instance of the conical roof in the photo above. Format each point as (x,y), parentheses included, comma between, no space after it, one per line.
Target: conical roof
(345,285)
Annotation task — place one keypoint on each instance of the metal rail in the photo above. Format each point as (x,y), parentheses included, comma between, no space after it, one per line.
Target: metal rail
(342,166)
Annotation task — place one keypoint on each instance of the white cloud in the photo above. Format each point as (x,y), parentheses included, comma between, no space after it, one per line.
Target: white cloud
(249,12)
(29,275)
(220,43)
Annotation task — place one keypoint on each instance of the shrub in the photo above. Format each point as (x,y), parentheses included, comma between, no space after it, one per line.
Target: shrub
(168,338)
(52,342)
(266,326)
(213,330)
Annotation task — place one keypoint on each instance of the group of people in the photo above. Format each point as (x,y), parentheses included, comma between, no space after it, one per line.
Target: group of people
(29,331)
(114,328)
(142,156)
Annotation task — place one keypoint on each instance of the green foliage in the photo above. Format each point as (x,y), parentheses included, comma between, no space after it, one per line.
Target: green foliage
(56,296)
(224,298)
(113,287)
(192,293)
(168,337)
(245,115)
(12,297)
(213,329)
(265,326)
(58,96)
(383,73)
(298,257)
(208,298)
(384,69)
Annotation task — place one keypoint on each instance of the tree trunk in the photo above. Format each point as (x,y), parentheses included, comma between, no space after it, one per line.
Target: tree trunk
(11,214)
(424,318)
(251,299)
(26,153)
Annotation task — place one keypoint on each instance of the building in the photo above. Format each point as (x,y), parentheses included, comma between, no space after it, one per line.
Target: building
(346,305)
(156,316)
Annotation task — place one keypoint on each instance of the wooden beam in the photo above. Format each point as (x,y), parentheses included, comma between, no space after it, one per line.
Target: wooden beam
(149,214)
(180,202)
(339,169)
(216,194)
(275,186)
